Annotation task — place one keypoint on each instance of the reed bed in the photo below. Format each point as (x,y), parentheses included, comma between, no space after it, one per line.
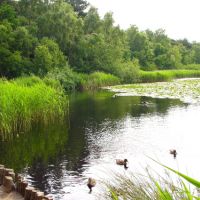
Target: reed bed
(28,102)
(166,75)
(191,66)
(97,80)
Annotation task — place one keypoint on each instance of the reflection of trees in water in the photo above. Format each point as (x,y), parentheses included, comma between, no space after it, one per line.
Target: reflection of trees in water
(41,143)
(151,106)
(46,177)
(98,113)
(100,106)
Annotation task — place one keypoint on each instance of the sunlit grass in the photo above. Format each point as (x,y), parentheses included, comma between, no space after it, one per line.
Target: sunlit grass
(166,75)
(97,80)
(25,102)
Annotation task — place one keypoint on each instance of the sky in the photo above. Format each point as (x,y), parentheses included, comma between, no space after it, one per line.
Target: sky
(179,18)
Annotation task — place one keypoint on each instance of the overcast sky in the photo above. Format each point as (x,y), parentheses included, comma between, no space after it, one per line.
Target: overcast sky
(180,18)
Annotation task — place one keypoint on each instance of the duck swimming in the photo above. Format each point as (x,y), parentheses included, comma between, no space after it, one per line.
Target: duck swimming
(91,183)
(122,162)
(173,152)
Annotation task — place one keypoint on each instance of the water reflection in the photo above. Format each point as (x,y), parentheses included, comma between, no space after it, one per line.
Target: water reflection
(101,128)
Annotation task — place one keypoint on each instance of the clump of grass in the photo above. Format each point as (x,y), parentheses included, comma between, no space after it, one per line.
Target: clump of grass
(27,101)
(166,75)
(97,80)
(138,187)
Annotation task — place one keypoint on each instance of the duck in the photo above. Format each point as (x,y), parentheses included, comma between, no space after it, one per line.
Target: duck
(122,162)
(173,152)
(91,183)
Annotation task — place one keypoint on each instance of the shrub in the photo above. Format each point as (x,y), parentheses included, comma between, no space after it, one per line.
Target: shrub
(68,79)
(128,72)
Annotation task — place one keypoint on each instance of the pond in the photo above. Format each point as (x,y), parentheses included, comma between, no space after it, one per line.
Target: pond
(101,127)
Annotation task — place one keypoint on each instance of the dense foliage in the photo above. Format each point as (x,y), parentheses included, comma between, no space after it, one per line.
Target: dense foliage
(42,37)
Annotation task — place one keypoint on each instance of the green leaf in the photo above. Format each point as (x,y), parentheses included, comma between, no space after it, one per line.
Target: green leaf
(163,194)
(187,192)
(189,179)
(114,195)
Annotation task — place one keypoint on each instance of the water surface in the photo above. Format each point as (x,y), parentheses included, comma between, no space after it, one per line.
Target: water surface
(100,128)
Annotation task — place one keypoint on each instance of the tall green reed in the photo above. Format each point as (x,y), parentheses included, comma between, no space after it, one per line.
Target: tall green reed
(25,102)
(97,80)
(166,75)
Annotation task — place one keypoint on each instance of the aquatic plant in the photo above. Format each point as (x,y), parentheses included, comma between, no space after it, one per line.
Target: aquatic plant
(97,80)
(25,102)
(187,90)
(166,75)
(148,187)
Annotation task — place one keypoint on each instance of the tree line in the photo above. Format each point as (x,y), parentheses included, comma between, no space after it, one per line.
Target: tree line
(68,37)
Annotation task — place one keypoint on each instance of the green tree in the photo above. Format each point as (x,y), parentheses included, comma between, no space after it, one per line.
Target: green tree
(92,22)
(79,6)
(11,61)
(140,46)
(61,24)
(169,58)
(48,56)
(11,64)
(187,55)
(58,58)
(42,60)
(196,49)
(7,12)
(103,46)
(32,9)
(24,42)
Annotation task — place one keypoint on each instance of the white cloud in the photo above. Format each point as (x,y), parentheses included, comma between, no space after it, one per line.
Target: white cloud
(180,18)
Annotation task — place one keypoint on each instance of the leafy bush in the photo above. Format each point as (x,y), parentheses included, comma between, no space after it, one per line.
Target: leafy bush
(68,79)
(128,72)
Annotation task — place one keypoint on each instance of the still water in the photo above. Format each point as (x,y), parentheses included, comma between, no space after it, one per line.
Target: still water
(100,128)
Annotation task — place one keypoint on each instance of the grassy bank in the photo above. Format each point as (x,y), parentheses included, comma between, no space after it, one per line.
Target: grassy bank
(27,101)
(71,80)
(166,75)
